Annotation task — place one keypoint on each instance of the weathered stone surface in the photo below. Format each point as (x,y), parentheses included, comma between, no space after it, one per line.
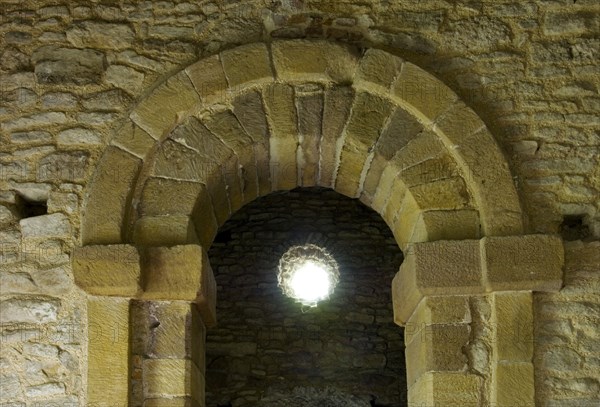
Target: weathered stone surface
(165,230)
(107,270)
(337,104)
(204,219)
(35,121)
(379,67)
(106,208)
(281,114)
(39,136)
(399,131)
(447,225)
(177,160)
(109,100)
(157,197)
(208,77)
(242,182)
(384,187)
(125,78)
(68,65)
(64,167)
(367,120)
(29,311)
(395,201)
(53,282)
(170,32)
(431,170)
(108,333)
(514,384)
(365,124)
(78,136)
(91,34)
(44,227)
(10,387)
(158,112)
(448,264)
(352,165)
(436,268)
(448,193)
(300,59)
(437,348)
(249,110)
(167,377)
(423,92)
(59,100)
(446,389)
(45,390)
(309,105)
(6,216)
(181,273)
(424,146)
(31,191)
(561,23)
(133,139)
(246,64)
(514,326)
(486,167)
(532,262)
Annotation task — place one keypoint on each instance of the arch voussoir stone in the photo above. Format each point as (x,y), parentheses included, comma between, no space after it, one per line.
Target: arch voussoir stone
(301,60)
(368,117)
(247,65)
(336,110)
(106,209)
(158,112)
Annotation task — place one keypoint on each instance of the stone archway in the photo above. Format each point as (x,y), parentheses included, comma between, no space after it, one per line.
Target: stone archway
(266,117)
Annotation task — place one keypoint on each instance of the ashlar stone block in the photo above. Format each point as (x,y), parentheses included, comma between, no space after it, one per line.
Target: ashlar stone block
(379,67)
(427,94)
(281,114)
(106,208)
(157,113)
(337,104)
(108,346)
(111,270)
(181,273)
(246,64)
(326,61)
(530,262)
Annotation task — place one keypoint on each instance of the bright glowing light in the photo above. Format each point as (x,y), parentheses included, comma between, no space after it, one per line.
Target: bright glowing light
(310,282)
(307,274)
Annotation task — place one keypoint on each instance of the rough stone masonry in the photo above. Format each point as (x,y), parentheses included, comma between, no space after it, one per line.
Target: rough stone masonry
(71,71)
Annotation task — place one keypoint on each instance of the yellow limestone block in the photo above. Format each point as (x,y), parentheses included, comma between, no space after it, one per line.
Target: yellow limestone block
(181,273)
(108,351)
(107,270)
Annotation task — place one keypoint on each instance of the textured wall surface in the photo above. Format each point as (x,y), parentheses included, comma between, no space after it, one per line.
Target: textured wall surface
(567,340)
(70,72)
(266,343)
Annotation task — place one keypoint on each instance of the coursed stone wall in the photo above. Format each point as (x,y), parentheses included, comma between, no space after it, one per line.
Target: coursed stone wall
(70,72)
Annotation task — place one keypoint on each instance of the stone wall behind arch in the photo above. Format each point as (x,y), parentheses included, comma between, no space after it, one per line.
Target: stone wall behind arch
(266,344)
(70,71)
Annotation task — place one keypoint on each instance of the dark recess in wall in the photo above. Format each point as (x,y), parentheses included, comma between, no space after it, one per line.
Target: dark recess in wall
(266,345)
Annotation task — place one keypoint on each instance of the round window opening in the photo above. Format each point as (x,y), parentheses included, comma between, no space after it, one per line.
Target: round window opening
(308,274)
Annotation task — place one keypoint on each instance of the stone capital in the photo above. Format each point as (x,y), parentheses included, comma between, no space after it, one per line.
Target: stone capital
(152,273)
(468,267)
